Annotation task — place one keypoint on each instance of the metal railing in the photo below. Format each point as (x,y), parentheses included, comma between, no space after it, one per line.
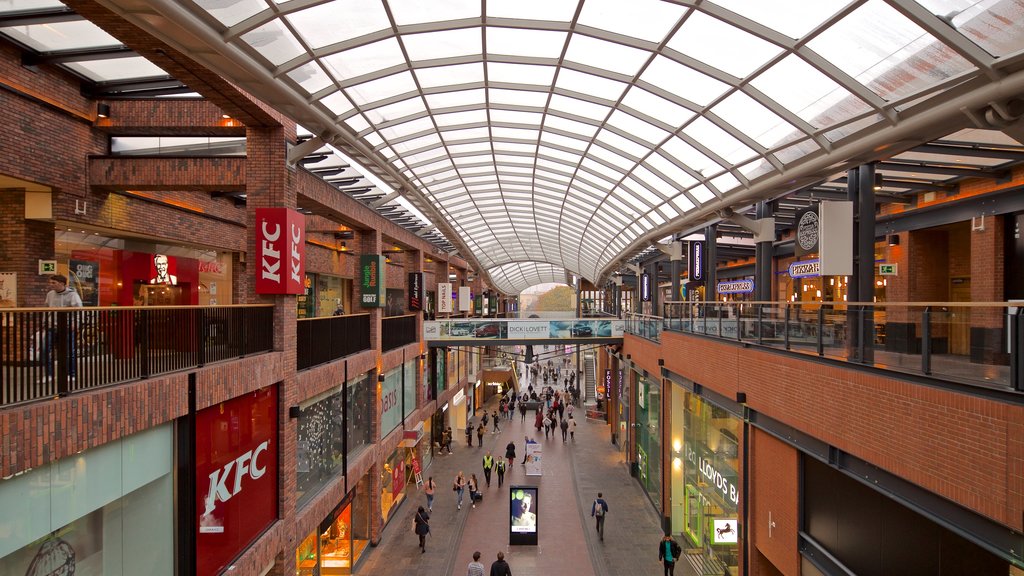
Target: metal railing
(968,342)
(322,340)
(644,325)
(47,352)
(397,331)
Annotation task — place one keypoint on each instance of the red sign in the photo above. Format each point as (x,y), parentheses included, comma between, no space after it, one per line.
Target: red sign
(415,464)
(281,250)
(398,478)
(236,477)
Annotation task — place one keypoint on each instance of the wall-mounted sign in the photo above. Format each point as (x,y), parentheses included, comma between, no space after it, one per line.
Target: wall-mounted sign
(371,280)
(805,269)
(415,290)
(236,476)
(887,270)
(807,232)
(444,298)
(465,299)
(85,278)
(726,531)
(736,287)
(695,261)
(8,289)
(645,287)
(47,267)
(281,249)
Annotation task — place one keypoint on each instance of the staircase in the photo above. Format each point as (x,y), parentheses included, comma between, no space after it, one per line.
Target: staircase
(590,379)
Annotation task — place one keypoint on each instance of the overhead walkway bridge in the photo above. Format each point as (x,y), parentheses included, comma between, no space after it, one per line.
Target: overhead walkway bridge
(504,332)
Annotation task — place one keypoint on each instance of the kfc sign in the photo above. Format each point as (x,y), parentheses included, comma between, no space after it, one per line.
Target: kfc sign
(236,477)
(281,248)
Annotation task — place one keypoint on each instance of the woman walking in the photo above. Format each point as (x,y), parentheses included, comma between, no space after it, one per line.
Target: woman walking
(422,527)
(428,489)
(459,488)
(474,489)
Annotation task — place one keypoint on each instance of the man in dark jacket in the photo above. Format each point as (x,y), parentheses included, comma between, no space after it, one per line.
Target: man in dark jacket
(500,567)
(668,552)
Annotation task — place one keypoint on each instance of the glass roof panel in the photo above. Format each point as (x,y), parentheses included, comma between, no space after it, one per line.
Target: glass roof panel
(61,36)
(337,21)
(657,107)
(581,128)
(637,127)
(518,97)
(725,182)
(357,123)
(231,13)
(364,59)
(456,118)
(702,193)
(682,203)
(8,6)
(116,69)
(579,107)
(417,11)
(443,44)
(997,26)
(605,55)
(520,73)
(501,133)
(690,156)
(554,10)
(310,77)
(646,19)
(683,81)
(887,52)
(525,42)
(718,141)
(381,88)
(794,18)
(407,128)
(722,45)
(514,117)
(400,109)
(589,84)
(455,98)
(464,134)
(472,147)
(555,153)
(820,101)
(274,42)
(675,174)
(750,117)
(622,144)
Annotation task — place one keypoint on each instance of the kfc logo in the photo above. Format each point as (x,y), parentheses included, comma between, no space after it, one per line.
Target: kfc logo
(245,465)
(275,226)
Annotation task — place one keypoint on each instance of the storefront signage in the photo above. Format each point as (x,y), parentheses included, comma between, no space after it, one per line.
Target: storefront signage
(887,270)
(607,379)
(518,330)
(736,287)
(725,531)
(281,246)
(459,397)
(695,261)
(807,232)
(444,298)
(236,476)
(390,402)
(211,267)
(415,290)
(85,278)
(805,269)
(645,287)
(465,299)
(371,280)
(714,477)
(398,478)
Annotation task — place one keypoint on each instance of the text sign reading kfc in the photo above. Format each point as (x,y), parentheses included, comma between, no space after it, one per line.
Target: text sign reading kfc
(281,251)
(236,476)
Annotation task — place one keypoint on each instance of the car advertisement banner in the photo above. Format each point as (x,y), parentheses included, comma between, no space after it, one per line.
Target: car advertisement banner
(463,329)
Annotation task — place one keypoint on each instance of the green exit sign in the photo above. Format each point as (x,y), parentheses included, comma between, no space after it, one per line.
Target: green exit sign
(887,269)
(47,267)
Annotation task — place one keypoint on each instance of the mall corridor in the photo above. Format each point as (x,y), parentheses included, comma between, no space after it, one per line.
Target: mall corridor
(573,473)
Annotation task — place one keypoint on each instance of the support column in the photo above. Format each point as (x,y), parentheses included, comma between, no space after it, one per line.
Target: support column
(676,271)
(860,184)
(25,243)
(763,258)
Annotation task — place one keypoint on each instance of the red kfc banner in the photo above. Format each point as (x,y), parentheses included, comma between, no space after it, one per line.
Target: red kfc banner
(236,477)
(281,249)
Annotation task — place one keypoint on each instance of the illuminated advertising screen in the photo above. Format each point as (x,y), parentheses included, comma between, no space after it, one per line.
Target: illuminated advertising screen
(523,511)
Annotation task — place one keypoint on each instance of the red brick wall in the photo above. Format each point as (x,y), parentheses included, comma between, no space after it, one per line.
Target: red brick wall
(937,439)
(774,494)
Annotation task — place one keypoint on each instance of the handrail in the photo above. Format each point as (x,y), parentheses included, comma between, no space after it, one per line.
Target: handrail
(843,303)
(328,317)
(113,308)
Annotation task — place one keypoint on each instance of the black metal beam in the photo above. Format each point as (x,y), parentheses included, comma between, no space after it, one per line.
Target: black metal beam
(941,170)
(77,55)
(134,87)
(912,185)
(973,151)
(1003,202)
(34,17)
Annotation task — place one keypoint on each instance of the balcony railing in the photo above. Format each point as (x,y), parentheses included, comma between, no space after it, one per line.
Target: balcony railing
(644,325)
(968,342)
(397,331)
(59,351)
(322,340)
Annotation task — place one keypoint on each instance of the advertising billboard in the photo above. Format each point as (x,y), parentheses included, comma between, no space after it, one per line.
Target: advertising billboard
(523,515)
(371,280)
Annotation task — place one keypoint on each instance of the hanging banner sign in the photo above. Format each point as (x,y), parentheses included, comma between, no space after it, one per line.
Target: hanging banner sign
(645,287)
(371,280)
(805,269)
(695,261)
(415,290)
(444,298)
(281,248)
(808,232)
(736,287)
(465,299)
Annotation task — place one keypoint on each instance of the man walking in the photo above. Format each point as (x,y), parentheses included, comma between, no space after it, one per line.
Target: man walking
(488,465)
(500,467)
(60,296)
(598,510)
(668,552)
(475,567)
(500,567)
(564,425)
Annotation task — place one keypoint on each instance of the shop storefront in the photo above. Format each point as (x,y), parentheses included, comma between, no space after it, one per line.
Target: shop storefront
(621,418)
(341,538)
(394,477)
(705,478)
(324,295)
(108,510)
(321,444)
(236,476)
(361,395)
(648,437)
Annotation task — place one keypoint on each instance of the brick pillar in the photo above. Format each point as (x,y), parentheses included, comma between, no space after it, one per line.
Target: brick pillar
(988,335)
(24,243)
(370,243)
(901,323)
(268,185)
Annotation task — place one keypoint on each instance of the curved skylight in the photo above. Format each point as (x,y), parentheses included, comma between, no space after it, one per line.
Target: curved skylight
(565,133)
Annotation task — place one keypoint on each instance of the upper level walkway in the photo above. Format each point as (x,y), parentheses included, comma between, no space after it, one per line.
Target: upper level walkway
(573,474)
(496,331)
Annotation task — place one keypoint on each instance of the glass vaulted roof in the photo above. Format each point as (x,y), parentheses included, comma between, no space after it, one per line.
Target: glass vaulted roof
(554,136)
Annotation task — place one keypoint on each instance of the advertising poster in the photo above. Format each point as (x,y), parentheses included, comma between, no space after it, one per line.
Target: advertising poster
(444,298)
(371,280)
(465,299)
(523,515)
(84,278)
(534,452)
(8,289)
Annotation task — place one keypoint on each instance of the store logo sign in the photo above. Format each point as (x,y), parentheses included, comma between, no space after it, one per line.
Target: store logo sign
(281,244)
(808,231)
(736,287)
(245,465)
(645,287)
(695,261)
(805,269)
(415,290)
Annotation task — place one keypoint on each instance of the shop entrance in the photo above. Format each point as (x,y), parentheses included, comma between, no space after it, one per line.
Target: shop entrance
(960,317)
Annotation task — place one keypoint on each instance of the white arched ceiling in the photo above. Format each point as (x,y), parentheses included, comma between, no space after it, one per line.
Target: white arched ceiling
(563,132)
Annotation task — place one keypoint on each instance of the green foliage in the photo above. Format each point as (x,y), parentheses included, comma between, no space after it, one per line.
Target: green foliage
(557,299)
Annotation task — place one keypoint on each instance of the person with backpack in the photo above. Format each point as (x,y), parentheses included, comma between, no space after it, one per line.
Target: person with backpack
(668,553)
(422,527)
(598,510)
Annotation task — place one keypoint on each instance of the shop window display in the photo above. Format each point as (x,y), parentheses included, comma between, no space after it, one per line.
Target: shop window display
(360,414)
(392,480)
(320,444)
(336,546)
